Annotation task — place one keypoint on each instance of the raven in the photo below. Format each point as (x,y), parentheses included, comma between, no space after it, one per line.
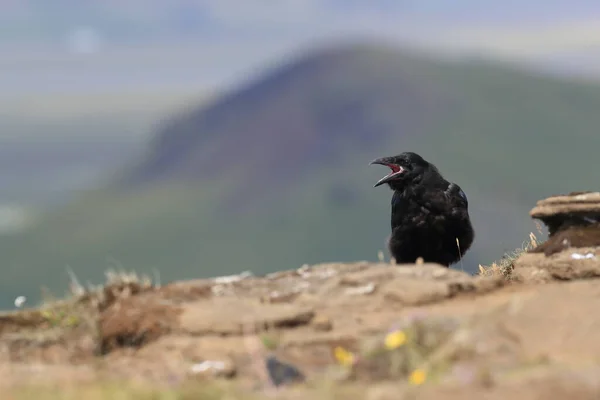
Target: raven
(430,217)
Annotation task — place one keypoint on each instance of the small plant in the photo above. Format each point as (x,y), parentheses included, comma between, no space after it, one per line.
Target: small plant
(270,340)
(406,352)
(505,265)
(61,316)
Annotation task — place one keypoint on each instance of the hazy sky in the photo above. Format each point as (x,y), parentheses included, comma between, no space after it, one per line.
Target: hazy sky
(247,35)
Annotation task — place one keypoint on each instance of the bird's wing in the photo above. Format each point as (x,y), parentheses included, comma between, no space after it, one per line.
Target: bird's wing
(457,194)
(443,201)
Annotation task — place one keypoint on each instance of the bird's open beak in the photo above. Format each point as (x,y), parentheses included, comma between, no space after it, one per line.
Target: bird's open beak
(396,170)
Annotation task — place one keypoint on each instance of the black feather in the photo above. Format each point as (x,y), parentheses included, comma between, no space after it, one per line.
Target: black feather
(281,373)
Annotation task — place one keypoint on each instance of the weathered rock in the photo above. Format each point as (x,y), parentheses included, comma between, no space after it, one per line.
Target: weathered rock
(214,369)
(575,209)
(567,203)
(570,237)
(135,321)
(413,293)
(570,252)
(232,317)
(322,323)
(570,264)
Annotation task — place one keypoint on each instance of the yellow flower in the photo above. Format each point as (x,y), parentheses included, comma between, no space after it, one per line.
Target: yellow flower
(395,339)
(417,377)
(343,356)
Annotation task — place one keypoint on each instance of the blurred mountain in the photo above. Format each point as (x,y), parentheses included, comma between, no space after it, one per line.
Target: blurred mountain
(308,112)
(274,174)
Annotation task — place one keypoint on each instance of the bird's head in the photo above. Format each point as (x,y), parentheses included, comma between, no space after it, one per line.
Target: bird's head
(406,168)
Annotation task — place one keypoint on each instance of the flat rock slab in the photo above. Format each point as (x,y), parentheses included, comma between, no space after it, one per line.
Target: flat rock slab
(226,316)
(583,202)
(573,221)
(569,264)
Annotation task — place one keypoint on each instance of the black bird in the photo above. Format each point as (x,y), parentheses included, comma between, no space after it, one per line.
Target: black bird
(430,217)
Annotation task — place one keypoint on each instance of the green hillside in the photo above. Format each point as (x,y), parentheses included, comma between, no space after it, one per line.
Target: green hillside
(274,175)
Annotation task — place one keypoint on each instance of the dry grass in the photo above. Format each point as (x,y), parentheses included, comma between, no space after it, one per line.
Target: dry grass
(505,265)
(72,323)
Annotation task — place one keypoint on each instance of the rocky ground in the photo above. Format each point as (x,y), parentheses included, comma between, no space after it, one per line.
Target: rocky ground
(525,328)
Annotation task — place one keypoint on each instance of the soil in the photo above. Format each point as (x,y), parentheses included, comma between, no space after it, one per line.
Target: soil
(532,337)
(571,236)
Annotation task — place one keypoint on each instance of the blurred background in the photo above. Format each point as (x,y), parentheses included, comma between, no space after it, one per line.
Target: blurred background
(194,138)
